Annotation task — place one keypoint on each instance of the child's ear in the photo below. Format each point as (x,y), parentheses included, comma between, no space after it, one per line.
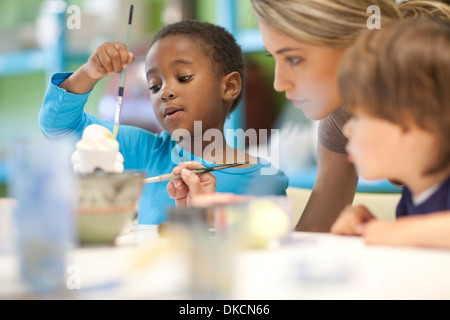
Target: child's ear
(232,85)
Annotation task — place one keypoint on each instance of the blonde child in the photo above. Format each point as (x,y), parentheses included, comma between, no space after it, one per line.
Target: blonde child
(395,81)
(195,73)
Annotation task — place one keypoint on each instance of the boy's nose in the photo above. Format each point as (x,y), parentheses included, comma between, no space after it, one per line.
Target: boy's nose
(167,95)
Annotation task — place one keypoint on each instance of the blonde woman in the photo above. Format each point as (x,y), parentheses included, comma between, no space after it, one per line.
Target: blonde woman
(307,39)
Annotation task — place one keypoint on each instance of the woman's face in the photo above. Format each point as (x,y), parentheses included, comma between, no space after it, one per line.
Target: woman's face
(306,73)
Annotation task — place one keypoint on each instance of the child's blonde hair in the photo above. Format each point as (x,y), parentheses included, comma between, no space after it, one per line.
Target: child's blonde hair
(401,73)
(334,23)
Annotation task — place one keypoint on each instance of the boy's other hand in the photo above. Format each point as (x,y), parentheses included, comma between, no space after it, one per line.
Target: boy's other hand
(190,185)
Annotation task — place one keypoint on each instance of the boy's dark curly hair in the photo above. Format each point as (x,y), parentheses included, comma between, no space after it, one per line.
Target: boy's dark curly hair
(218,44)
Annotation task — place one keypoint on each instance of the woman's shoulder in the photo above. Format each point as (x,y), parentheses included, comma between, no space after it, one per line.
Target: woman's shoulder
(331,135)
(336,119)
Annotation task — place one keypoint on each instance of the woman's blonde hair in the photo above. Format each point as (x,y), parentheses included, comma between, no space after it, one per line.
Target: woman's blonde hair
(401,73)
(335,23)
(430,9)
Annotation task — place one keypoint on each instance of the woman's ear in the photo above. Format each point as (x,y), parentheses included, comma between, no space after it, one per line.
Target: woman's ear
(232,86)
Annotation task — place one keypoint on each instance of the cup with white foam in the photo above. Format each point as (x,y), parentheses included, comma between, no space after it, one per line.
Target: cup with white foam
(97,150)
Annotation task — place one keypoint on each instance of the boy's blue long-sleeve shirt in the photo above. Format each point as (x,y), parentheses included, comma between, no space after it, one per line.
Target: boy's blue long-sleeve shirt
(62,114)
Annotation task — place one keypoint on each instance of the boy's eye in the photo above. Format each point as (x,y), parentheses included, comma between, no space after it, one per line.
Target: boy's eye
(155,88)
(184,78)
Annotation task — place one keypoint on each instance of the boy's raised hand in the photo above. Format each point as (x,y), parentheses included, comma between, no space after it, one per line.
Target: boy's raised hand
(107,59)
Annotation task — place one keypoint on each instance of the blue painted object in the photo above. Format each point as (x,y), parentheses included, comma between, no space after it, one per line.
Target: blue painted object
(304,178)
(2,172)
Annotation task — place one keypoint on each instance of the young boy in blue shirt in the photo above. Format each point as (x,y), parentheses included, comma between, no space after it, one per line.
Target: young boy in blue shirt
(195,73)
(396,82)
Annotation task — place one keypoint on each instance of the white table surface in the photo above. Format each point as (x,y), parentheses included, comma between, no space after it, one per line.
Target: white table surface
(309,266)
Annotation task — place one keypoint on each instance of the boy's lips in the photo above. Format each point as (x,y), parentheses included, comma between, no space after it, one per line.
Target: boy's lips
(171,112)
